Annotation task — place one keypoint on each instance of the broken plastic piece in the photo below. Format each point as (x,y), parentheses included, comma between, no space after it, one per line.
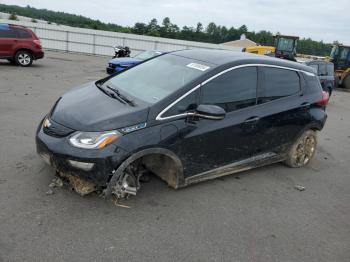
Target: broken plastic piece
(300,188)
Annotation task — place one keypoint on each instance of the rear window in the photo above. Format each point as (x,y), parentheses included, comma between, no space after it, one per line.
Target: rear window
(330,69)
(278,83)
(312,84)
(8,33)
(23,34)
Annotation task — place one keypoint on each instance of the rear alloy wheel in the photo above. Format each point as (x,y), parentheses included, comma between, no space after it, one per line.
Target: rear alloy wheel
(23,58)
(302,150)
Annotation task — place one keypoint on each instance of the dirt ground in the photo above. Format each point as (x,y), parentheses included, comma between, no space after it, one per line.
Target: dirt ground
(257,215)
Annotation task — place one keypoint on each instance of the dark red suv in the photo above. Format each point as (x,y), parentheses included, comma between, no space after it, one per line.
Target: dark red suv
(19,45)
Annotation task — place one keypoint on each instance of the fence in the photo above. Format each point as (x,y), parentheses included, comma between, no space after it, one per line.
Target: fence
(96,42)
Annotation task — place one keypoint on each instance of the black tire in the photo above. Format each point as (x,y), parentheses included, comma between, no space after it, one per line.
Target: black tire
(302,150)
(336,81)
(346,82)
(24,58)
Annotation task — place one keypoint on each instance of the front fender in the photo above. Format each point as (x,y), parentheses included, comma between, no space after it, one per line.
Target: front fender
(175,180)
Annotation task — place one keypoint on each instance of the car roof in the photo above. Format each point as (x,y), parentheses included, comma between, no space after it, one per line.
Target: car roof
(226,57)
(8,26)
(313,62)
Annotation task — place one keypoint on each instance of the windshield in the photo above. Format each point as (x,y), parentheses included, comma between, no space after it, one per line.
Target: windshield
(147,55)
(334,52)
(344,53)
(285,44)
(157,78)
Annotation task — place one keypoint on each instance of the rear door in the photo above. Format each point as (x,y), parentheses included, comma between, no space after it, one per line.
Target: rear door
(282,112)
(8,39)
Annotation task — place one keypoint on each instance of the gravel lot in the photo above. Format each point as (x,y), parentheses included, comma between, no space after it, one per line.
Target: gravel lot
(254,216)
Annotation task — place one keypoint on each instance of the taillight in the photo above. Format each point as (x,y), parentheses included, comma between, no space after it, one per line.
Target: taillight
(37,42)
(324,100)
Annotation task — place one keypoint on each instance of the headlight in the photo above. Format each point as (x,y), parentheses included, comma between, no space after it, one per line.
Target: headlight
(93,140)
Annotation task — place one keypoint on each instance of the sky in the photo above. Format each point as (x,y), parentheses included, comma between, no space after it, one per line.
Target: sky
(325,20)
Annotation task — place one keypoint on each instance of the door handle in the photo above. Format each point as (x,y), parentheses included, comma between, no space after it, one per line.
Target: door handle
(252,119)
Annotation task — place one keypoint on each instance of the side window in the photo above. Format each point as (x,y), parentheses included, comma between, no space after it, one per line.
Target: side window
(8,33)
(188,103)
(322,69)
(312,84)
(315,67)
(330,69)
(278,83)
(233,90)
(24,34)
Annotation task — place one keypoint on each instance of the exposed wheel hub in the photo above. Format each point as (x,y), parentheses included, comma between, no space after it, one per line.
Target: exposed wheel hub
(127,183)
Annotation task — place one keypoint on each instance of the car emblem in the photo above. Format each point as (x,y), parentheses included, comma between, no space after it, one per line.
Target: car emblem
(47,123)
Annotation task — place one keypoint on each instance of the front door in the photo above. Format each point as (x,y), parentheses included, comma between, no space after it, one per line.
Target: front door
(7,41)
(206,144)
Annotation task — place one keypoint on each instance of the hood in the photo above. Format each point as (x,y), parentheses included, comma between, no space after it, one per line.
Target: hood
(87,108)
(124,60)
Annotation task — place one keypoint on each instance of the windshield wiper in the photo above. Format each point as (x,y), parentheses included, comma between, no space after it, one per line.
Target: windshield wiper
(124,98)
(109,93)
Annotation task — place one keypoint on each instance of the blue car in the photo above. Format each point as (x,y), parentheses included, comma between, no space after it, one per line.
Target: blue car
(119,64)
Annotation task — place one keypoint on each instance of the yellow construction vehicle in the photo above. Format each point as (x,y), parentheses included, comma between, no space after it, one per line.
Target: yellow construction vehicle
(260,50)
(285,48)
(340,57)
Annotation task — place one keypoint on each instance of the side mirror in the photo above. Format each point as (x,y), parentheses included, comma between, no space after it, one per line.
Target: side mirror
(210,112)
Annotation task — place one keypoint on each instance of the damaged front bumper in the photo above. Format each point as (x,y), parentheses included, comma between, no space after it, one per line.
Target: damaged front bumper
(85,169)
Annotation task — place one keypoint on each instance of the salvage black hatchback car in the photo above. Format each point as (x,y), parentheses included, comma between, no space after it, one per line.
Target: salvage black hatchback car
(186,116)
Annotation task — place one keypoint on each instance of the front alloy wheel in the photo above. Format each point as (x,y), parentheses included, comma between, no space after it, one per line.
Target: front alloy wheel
(24,58)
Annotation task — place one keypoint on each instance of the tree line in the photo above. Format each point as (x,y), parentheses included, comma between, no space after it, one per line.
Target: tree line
(211,33)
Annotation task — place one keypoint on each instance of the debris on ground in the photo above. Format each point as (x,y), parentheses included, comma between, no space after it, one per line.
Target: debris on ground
(81,186)
(50,192)
(300,188)
(39,221)
(109,248)
(56,182)
(119,205)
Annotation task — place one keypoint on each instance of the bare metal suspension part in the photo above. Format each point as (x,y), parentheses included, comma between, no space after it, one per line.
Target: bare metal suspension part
(128,182)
